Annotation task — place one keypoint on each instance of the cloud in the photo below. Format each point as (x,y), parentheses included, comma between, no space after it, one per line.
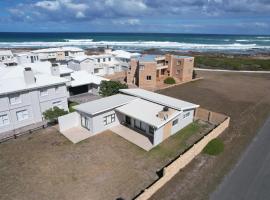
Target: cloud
(123,11)
(127,22)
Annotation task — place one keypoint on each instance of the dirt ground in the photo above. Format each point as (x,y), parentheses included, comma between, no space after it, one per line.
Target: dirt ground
(45,165)
(246,99)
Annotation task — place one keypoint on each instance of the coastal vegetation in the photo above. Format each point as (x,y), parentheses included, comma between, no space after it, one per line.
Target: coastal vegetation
(169,80)
(109,88)
(232,62)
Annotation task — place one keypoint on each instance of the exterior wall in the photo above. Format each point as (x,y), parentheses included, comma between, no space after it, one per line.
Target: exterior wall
(182,160)
(182,122)
(69,121)
(60,55)
(74,65)
(32,102)
(132,72)
(98,122)
(149,69)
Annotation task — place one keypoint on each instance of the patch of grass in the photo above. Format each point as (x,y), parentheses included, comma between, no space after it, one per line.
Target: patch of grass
(214,147)
(169,80)
(235,63)
(176,143)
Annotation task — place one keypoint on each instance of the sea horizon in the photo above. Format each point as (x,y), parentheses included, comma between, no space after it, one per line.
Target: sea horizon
(238,43)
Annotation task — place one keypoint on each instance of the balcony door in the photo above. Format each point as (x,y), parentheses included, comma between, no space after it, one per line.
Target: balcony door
(85,122)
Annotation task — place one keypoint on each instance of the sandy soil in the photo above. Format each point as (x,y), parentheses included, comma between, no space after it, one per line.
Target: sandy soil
(244,97)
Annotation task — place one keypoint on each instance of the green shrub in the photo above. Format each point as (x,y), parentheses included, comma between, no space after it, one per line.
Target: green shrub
(53,113)
(71,105)
(109,88)
(169,80)
(214,147)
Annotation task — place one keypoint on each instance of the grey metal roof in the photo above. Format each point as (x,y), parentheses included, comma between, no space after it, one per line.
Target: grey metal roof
(104,104)
(160,99)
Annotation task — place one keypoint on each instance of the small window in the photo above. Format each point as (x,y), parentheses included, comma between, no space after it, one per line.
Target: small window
(22,115)
(178,71)
(44,92)
(109,119)
(98,60)
(151,129)
(178,62)
(96,71)
(57,89)
(186,115)
(104,59)
(4,120)
(148,78)
(66,53)
(109,59)
(175,122)
(15,99)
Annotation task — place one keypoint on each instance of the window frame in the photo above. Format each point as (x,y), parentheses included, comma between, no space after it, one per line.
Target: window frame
(2,120)
(24,113)
(148,77)
(17,96)
(106,121)
(175,122)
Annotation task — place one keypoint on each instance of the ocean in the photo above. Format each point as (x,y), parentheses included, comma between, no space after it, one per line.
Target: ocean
(141,41)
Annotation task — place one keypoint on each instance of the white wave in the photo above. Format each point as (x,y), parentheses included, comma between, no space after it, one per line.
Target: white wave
(242,40)
(78,40)
(136,45)
(263,37)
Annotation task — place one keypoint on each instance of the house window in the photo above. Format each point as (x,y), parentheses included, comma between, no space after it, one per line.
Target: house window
(178,62)
(96,71)
(43,92)
(57,89)
(85,122)
(148,78)
(98,60)
(4,120)
(104,59)
(58,104)
(109,119)
(140,125)
(151,129)
(186,115)
(109,59)
(66,53)
(15,99)
(175,122)
(178,71)
(22,115)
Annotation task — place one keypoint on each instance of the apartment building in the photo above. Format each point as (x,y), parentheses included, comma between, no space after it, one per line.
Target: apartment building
(7,58)
(27,57)
(147,70)
(25,95)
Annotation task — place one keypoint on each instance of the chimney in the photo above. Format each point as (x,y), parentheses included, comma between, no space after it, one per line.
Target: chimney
(55,70)
(29,77)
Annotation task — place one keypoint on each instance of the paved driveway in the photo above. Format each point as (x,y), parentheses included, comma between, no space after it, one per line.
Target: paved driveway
(250,179)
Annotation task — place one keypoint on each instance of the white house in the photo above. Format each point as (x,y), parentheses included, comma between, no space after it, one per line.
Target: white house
(27,57)
(7,58)
(142,117)
(25,95)
(59,53)
(104,64)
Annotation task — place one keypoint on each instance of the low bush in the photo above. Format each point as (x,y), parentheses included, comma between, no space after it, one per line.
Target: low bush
(169,80)
(214,147)
(71,105)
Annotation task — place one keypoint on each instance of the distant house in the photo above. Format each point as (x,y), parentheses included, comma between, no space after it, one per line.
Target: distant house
(25,95)
(142,114)
(27,57)
(109,63)
(58,54)
(7,58)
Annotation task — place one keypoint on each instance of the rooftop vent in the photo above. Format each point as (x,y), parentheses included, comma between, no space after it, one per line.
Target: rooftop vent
(165,108)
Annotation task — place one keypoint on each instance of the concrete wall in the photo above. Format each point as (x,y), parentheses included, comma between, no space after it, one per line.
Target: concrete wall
(180,162)
(69,121)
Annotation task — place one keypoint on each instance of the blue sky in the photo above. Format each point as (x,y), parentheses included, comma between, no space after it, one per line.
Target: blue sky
(176,16)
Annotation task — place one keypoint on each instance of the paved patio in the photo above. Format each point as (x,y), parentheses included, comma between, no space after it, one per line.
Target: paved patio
(77,134)
(133,137)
